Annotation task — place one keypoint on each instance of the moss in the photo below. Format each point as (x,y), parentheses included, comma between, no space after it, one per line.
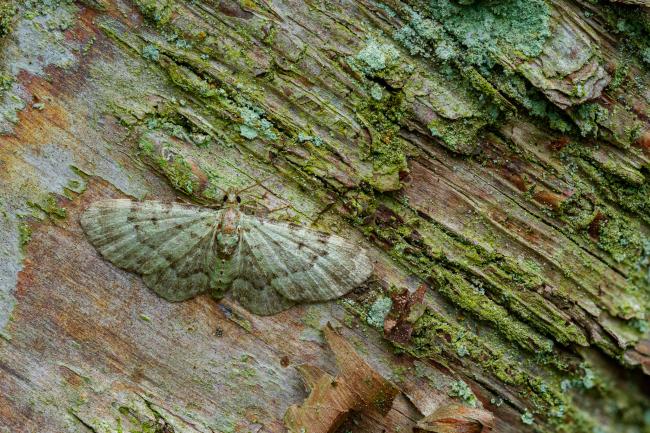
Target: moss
(621,238)
(620,75)
(462,294)
(458,135)
(146,146)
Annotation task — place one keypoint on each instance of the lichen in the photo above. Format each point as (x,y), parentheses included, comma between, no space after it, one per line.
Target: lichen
(378,312)
(50,207)
(179,172)
(255,124)
(461,390)
(24,234)
(7,11)
(150,52)
(375,57)
(386,150)
(158,11)
(527,418)
(488,28)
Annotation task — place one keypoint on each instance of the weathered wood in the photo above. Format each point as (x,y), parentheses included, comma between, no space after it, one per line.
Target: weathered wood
(494,153)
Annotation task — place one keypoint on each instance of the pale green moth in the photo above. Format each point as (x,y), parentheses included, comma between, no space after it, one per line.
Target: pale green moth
(182,250)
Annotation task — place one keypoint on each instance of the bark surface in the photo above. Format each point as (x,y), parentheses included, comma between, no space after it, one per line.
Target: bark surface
(491,155)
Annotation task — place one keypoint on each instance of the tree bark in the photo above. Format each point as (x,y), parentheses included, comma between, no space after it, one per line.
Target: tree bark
(492,154)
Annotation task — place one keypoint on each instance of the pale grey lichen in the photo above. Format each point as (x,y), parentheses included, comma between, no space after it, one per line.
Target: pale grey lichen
(376,57)
(461,390)
(378,312)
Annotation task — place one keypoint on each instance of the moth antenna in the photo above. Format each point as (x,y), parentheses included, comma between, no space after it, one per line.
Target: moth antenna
(257,183)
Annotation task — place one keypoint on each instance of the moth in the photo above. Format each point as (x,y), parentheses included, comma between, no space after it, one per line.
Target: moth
(183,250)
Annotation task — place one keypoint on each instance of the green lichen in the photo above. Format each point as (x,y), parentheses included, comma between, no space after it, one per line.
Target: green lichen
(419,33)
(588,116)
(378,312)
(461,390)
(488,28)
(179,172)
(518,88)
(7,11)
(375,57)
(150,52)
(6,82)
(527,418)
(255,124)
(24,233)
(457,135)
(387,149)
(50,206)
(158,11)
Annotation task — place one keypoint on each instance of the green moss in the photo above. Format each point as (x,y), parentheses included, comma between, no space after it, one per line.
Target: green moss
(387,150)
(621,238)
(146,146)
(462,294)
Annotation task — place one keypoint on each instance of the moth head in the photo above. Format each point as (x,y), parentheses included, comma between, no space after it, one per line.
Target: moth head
(231,197)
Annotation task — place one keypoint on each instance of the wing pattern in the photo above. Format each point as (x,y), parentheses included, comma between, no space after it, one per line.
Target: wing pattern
(170,245)
(174,247)
(297,263)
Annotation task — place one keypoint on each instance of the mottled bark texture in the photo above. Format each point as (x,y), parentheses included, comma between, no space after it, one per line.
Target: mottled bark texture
(494,152)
